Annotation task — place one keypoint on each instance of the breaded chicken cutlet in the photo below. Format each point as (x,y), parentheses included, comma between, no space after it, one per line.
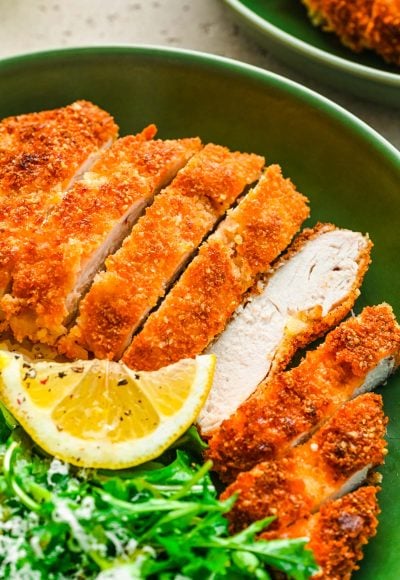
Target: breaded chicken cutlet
(41,156)
(338,532)
(355,357)
(361,24)
(160,244)
(90,222)
(333,462)
(213,285)
(67,205)
(310,289)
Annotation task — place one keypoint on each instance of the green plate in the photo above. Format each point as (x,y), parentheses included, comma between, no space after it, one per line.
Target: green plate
(283,27)
(349,172)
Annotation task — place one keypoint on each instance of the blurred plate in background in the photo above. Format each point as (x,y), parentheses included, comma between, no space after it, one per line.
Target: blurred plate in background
(283,27)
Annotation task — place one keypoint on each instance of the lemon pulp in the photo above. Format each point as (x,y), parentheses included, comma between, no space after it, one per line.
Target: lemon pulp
(100,413)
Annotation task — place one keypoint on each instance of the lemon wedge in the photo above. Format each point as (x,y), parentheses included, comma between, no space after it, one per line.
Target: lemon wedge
(100,413)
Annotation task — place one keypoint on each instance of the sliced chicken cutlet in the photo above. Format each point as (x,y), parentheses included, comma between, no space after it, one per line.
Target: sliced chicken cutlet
(384,34)
(208,292)
(47,150)
(309,290)
(355,357)
(41,155)
(159,245)
(349,19)
(90,222)
(338,532)
(361,24)
(332,463)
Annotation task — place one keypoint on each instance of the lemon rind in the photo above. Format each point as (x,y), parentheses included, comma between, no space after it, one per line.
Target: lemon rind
(103,453)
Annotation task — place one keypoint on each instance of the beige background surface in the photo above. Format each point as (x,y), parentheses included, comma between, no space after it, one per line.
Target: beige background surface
(205,25)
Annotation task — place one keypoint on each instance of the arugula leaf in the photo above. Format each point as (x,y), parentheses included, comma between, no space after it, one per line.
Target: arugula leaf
(160,520)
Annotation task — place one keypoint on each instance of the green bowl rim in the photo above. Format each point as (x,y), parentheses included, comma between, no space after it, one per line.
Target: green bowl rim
(217,63)
(310,51)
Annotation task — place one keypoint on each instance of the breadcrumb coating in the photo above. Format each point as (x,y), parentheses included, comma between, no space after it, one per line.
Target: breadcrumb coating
(139,274)
(335,458)
(40,155)
(361,24)
(292,404)
(212,287)
(39,151)
(339,531)
(87,225)
(384,34)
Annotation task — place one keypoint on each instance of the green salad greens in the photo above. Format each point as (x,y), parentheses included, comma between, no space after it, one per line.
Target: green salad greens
(160,520)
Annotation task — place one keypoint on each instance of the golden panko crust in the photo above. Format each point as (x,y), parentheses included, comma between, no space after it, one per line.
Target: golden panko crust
(291,404)
(267,490)
(212,287)
(129,173)
(40,150)
(340,530)
(352,439)
(297,484)
(40,153)
(361,24)
(139,274)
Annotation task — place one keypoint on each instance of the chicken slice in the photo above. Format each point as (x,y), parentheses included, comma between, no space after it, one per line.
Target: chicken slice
(41,155)
(348,19)
(310,290)
(159,245)
(384,33)
(361,24)
(355,357)
(243,246)
(332,463)
(339,531)
(45,151)
(90,223)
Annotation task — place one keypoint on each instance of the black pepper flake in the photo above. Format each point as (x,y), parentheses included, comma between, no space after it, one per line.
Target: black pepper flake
(62,374)
(30,374)
(137,377)
(122,382)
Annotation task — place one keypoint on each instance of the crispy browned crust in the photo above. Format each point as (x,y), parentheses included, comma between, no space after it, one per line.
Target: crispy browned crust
(361,24)
(174,225)
(352,439)
(213,285)
(41,150)
(295,402)
(39,155)
(339,531)
(349,19)
(384,34)
(130,172)
(297,484)
(268,490)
